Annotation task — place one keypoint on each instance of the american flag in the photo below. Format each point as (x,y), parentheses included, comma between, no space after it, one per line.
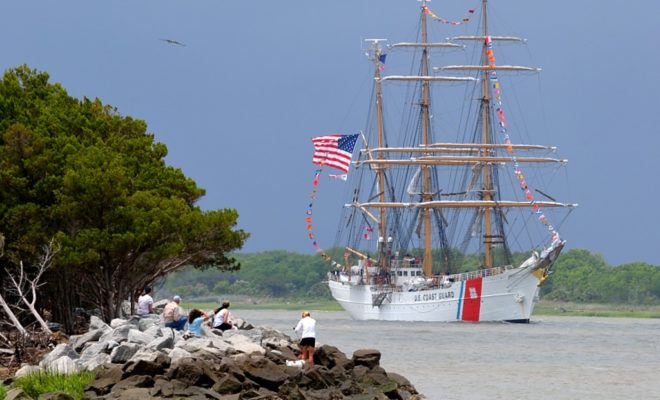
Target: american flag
(334,150)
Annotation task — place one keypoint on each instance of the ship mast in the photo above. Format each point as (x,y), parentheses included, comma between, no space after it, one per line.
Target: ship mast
(487,189)
(426,176)
(380,172)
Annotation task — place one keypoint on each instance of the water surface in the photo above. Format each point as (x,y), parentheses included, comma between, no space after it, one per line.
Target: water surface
(550,358)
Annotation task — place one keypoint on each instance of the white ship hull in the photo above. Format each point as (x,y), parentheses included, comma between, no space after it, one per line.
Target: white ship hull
(488,295)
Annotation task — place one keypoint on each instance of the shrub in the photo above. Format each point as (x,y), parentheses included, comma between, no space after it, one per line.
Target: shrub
(3,391)
(35,385)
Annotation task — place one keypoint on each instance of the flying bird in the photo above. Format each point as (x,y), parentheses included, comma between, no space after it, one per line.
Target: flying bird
(170,41)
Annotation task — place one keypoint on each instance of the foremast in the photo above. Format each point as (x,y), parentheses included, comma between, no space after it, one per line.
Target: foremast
(380,171)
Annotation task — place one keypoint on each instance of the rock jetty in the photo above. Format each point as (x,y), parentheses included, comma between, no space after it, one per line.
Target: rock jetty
(140,359)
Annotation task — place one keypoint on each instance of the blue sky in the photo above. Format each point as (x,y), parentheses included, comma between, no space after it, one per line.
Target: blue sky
(238,104)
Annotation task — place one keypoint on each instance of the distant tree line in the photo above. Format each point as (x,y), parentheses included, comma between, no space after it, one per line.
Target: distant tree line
(578,276)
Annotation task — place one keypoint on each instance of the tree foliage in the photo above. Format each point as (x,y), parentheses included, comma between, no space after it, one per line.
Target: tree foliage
(274,273)
(97,181)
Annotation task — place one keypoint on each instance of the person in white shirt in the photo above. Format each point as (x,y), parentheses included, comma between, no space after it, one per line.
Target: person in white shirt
(307,329)
(145,303)
(222,317)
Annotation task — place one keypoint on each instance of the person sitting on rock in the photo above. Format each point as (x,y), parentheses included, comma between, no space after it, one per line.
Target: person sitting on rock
(145,303)
(307,329)
(172,315)
(196,318)
(222,317)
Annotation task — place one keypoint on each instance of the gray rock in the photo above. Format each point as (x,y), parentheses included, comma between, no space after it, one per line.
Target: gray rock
(93,350)
(154,331)
(161,343)
(97,323)
(125,308)
(27,370)
(119,334)
(124,352)
(148,321)
(135,336)
(60,350)
(17,394)
(111,344)
(170,332)
(90,364)
(178,353)
(243,344)
(159,305)
(117,322)
(77,342)
(63,365)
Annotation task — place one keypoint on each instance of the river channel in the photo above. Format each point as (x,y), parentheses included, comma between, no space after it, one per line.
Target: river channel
(550,358)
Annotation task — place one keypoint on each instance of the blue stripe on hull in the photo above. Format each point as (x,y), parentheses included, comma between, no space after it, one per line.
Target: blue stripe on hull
(460,302)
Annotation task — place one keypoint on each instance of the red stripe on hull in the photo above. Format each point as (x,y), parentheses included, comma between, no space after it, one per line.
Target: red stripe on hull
(472,300)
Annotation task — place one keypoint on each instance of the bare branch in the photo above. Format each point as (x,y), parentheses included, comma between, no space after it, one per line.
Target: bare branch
(33,284)
(12,316)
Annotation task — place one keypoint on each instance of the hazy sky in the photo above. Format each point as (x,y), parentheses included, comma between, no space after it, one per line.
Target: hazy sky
(238,104)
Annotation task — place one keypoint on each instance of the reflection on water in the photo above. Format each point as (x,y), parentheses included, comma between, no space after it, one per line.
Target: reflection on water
(550,358)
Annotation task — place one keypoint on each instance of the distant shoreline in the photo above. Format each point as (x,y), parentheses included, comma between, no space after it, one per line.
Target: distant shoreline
(544,307)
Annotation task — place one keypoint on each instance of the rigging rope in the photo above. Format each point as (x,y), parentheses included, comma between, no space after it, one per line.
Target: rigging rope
(507,140)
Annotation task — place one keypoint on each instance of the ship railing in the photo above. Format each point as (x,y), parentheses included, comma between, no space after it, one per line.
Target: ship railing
(481,273)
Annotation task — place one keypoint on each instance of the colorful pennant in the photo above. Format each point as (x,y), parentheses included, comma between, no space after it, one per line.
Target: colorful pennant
(499,111)
(463,20)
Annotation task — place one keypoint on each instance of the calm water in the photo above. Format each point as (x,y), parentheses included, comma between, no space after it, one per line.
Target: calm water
(551,358)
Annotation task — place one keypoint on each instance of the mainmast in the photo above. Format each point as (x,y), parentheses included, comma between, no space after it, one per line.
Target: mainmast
(426,175)
(487,189)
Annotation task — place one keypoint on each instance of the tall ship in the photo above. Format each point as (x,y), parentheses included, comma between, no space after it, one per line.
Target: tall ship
(441,222)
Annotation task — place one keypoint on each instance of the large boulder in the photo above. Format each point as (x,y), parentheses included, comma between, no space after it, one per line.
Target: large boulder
(146,363)
(77,342)
(124,352)
(330,356)
(119,334)
(117,322)
(63,365)
(161,343)
(265,372)
(93,363)
(61,350)
(370,358)
(96,323)
(191,372)
(243,344)
(135,336)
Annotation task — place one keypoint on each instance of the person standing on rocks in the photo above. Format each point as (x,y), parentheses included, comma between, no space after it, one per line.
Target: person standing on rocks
(307,329)
(145,303)
(222,317)
(172,315)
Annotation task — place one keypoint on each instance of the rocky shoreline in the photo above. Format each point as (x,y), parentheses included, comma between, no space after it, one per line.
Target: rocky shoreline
(137,358)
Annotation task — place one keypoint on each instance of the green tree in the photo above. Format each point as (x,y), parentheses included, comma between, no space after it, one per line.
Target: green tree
(98,182)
